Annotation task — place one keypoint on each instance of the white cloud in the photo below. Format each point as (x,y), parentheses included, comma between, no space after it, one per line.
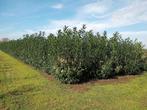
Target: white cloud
(130,14)
(12,35)
(59,24)
(133,12)
(94,8)
(68,22)
(135,34)
(58,6)
(139,35)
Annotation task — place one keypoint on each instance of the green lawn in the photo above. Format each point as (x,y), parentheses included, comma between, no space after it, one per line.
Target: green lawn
(24,88)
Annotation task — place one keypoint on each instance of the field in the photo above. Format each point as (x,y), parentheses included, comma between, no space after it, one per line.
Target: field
(24,88)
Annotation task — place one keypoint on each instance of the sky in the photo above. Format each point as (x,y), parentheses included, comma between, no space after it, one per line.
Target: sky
(128,17)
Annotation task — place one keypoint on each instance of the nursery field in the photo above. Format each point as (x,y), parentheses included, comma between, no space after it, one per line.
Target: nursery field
(24,88)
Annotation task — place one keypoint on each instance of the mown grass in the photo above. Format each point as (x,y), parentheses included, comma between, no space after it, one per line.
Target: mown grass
(24,88)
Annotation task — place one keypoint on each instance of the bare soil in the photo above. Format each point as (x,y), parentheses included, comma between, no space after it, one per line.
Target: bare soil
(86,86)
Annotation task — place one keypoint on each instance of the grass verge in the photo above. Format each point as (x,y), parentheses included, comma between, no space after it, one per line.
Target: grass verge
(24,88)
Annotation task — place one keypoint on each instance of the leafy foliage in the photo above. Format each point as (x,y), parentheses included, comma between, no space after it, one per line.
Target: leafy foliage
(74,56)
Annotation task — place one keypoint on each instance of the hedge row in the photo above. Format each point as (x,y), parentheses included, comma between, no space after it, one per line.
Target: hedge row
(74,56)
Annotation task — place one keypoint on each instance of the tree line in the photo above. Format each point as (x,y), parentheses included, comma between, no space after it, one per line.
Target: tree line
(74,56)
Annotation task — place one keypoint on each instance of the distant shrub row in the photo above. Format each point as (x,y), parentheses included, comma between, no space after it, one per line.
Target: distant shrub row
(74,56)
